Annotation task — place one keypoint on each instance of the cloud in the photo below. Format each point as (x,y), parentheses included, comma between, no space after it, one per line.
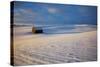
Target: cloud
(52,10)
(28,12)
(24,15)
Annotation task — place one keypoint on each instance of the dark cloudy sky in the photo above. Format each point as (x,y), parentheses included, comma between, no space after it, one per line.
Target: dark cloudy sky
(44,13)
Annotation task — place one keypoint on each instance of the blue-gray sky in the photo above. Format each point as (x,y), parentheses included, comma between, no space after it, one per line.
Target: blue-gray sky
(44,13)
